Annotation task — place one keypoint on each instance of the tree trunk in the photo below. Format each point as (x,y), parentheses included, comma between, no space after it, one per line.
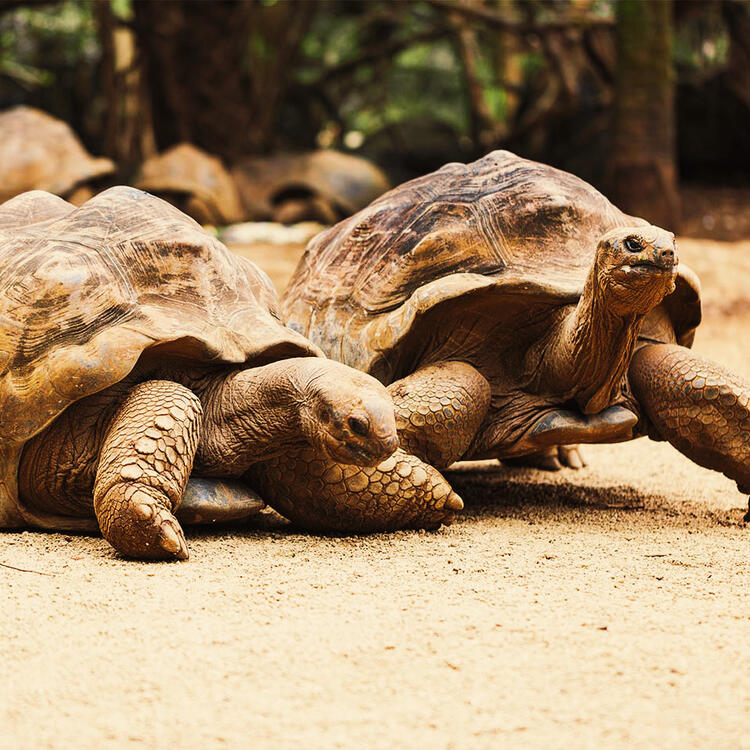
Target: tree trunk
(737,19)
(218,71)
(509,70)
(127,133)
(481,120)
(643,175)
(194,56)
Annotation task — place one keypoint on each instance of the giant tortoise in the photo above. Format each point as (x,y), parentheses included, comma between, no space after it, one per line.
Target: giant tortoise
(287,188)
(136,350)
(512,310)
(195,182)
(323,185)
(40,152)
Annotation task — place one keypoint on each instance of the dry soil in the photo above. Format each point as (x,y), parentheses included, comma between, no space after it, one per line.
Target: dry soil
(601,608)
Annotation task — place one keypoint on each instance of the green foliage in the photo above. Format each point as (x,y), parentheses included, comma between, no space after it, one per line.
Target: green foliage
(702,44)
(35,43)
(122,9)
(331,40)
(364,65)
(424,79)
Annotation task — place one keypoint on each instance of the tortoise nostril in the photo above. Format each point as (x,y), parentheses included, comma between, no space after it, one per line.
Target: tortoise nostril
(391,444)
(359,426)
(666,255)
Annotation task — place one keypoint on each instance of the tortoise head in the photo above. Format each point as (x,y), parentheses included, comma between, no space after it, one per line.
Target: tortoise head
(347,413)
(636,268)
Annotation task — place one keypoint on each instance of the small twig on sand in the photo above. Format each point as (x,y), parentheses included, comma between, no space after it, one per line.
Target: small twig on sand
(26,570)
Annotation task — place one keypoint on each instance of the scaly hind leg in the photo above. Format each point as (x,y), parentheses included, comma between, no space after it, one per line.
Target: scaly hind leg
(698,406)
(439,410)
(144,465)
(320,494)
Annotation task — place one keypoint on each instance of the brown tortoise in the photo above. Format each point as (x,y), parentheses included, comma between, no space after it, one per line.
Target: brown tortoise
(195,182)
(39,152)
(323,185)
(511,309)
(137,349)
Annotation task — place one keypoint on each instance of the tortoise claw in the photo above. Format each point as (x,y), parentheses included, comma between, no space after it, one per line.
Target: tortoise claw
(571,456)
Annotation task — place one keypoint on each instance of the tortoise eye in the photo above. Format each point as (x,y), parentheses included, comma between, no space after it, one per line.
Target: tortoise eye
(359,426)
(633,245)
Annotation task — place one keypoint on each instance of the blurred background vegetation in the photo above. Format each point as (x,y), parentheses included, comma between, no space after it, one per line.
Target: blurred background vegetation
(633,95)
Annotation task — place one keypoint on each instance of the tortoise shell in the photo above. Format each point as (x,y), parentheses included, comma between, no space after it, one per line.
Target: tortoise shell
(186,171)
(347,183)
(500,234)
(86,291)
(39,152)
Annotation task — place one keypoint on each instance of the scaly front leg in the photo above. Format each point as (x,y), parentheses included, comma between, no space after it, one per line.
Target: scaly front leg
(439,410)
(320,494)
(144,465)
(698,406)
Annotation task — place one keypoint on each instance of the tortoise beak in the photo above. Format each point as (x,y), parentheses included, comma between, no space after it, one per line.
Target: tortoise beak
(370,454)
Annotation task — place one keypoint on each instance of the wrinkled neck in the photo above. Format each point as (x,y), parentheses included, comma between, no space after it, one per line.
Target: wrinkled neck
(250,415)
(609,338)
(587,355)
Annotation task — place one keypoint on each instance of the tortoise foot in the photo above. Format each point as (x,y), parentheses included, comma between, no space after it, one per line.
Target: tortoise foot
(144,465)
(571,456)
(139,526)
(700,407)
(745,490)
(555,458)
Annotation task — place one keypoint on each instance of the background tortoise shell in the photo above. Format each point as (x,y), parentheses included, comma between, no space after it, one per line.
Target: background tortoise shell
(346,182)
(501,228)
(186,170)
(85,292)
(39,152)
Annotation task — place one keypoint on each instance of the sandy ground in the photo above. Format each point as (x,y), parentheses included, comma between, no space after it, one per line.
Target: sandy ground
(601,608)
